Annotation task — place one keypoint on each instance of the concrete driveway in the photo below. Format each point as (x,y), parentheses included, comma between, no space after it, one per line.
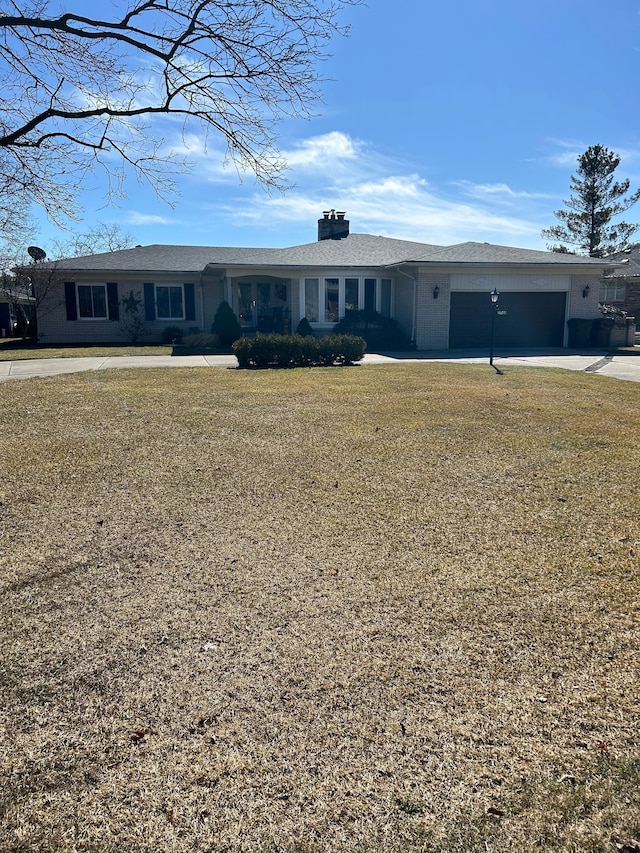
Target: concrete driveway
(625,366)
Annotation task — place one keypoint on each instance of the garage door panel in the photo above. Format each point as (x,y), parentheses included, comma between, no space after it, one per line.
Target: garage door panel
(532,320)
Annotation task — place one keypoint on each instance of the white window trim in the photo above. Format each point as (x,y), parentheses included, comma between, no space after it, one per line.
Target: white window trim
(361,276)
(106,304)
(618,286)
(155,296)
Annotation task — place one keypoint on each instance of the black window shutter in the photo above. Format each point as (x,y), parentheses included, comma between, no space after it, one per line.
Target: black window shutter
(112,300)
(149,303)
(189,302)
(70,300)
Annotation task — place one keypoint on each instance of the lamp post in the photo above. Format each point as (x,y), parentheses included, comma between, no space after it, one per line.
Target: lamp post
(494,307)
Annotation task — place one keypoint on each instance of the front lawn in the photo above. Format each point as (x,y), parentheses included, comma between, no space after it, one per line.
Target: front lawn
(385,608)
(15,349)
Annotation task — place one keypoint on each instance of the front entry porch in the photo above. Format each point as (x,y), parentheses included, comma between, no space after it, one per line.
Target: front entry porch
(262,304)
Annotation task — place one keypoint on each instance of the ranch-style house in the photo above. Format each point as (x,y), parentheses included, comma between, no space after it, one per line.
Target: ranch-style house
(439,295)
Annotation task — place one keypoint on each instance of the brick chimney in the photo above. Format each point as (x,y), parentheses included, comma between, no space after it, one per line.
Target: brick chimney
(333,225)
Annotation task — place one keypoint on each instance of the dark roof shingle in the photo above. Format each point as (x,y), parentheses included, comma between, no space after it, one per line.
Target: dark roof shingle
(356,250)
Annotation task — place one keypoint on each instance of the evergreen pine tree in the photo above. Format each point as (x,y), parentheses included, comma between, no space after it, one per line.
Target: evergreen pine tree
(596,200)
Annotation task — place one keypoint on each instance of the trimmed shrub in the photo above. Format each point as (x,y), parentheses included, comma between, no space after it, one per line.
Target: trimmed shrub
(304,329)
(298,351)
(328,350)
(380,333)
(226,325)
(242,351)
(350,348)
(172,335)
(309,351)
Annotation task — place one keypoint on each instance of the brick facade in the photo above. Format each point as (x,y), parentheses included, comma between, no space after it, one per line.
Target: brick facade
(432,317)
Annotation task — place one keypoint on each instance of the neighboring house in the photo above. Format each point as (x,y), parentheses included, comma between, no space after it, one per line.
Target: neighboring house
(439,295)
(8,318)
(621,287)
(16,309)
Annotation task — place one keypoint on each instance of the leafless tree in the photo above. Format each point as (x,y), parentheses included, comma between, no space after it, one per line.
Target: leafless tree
(81,91)
(102,237)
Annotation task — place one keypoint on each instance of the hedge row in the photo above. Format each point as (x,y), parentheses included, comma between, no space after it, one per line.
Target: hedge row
(298,351)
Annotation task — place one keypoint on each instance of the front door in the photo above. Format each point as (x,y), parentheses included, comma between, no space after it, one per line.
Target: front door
(254,304)
(246,304)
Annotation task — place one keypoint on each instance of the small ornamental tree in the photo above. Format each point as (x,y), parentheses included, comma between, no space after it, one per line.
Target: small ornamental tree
(304,328)
(226,325)
(132,322)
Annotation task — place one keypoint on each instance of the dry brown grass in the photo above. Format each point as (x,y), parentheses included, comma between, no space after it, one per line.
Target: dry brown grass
(15,349)
(370,609)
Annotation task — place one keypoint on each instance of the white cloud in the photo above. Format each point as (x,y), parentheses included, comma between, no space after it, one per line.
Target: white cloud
(379,193)
(328,151)
(134,217)
(566,152)
(403,206)
(497,192)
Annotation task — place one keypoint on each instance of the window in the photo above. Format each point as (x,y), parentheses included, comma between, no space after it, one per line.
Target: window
(326,300)
(351,288)
(311,304)
(331,300)
(612,291)
(169,302)
(92,302)
(369,294)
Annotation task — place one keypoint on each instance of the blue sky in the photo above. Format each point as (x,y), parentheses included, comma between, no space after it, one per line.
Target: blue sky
(443,122)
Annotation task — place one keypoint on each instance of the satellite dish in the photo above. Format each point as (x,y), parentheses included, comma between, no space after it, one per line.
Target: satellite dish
(37,253)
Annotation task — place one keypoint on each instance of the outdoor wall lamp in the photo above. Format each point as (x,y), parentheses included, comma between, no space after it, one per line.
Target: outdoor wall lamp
(585,292)
(494,295)
(436,292)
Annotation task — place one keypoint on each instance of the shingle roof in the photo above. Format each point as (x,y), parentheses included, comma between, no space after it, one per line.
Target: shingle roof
(489,253)
(628,261)
(356,250)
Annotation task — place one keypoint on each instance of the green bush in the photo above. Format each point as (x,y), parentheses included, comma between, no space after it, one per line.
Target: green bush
(304,329)
(380,333)
(309,351)
(226,325)
(172,335)
(328,350)
(242,351)
(350,348)
(298,351)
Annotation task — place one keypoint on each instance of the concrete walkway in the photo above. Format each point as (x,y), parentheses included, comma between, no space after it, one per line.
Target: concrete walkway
(626,366)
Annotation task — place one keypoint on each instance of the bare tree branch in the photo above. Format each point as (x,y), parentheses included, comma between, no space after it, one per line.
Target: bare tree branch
(81,92)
